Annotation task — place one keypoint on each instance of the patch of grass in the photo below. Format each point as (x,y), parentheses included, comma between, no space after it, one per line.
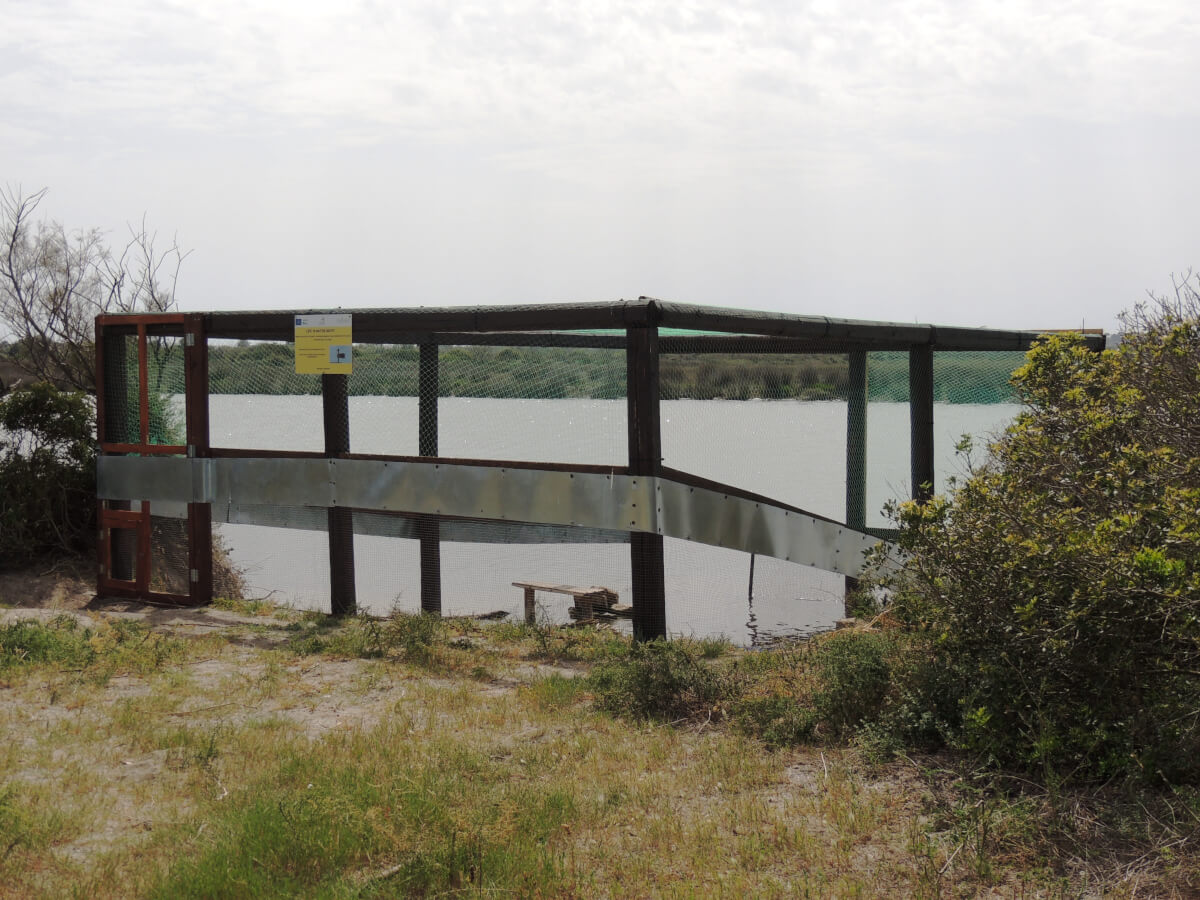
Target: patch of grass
(554,642)
(357,637)
(824,689)
(263,773)
(28,825)
(366,811)
(247,607)
(98,651)
(556,691)
(415,635)
(60,641)
(667,680)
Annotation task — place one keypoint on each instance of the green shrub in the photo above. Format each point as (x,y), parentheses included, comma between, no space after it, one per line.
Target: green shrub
(47,473)
(823,689)
(777,719)
(1057,591)
(62,641)
(855,675)
(660,679)
(100,649)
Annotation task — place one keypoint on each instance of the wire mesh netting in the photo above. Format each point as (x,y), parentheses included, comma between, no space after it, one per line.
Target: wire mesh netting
(169,569)
(121,417)
(163,393)
(165,385)
(779,424)
(531,403)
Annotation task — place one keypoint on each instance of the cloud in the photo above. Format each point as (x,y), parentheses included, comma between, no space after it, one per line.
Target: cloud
(562,72)
(685,148)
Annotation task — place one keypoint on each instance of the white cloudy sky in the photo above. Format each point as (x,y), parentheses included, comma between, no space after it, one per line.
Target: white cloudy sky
(1026,163)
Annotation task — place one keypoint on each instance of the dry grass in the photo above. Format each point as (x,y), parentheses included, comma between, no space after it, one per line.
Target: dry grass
(220,754)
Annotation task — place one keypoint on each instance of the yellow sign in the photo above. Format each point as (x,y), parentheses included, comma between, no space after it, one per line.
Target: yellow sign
(323,345)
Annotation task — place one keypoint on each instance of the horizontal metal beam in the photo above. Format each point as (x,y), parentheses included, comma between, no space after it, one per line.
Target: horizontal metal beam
(851,333)
(534,317)
(404,325)
(586,500)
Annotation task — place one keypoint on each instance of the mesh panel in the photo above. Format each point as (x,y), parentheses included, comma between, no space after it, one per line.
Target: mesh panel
(478,577)
(889,440)
(542,404)
(974,396)
(169,571)
(713,592)
(121,420)
(258,402)
(165,386)
(773,424)
(288,566)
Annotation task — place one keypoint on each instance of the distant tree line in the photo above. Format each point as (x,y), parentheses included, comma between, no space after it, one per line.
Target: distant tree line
(552,372)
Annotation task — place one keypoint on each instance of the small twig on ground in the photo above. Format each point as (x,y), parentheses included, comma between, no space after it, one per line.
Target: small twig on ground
(946,866)
(189,712)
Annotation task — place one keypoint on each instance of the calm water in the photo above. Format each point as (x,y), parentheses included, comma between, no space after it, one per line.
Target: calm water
(789,450)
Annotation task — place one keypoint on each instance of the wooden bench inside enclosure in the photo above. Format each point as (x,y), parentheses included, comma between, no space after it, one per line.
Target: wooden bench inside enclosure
(590,602)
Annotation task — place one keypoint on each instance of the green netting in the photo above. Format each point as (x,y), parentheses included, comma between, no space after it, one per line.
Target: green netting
(780,424)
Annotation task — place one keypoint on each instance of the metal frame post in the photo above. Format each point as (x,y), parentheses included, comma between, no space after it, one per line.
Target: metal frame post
(335,408)
(200,533)
(856,442)
(645,458)
(429,527)
(856,454)
(920,407)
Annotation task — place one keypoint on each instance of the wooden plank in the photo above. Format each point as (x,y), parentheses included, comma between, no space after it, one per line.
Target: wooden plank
(153,598)
(405,325)
(568,589)
(120,319)
(120,518)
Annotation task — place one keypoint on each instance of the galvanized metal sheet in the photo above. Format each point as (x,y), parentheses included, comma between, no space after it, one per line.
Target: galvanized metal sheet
(585,500)
(280,481)
(726,520)
(614,502)
(153,478)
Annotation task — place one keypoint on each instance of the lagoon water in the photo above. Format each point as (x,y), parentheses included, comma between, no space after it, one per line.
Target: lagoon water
(793,451)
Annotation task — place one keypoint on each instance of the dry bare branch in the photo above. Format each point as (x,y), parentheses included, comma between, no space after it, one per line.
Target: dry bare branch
(54,282)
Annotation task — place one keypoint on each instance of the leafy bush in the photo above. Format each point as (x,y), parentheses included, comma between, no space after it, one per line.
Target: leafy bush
(662,680)
(47,473)
(1058,589)
(825,688)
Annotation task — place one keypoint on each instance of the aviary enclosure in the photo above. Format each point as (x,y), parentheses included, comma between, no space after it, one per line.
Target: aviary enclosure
(698,470)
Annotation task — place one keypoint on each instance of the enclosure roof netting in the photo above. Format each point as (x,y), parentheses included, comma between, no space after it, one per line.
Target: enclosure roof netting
(408,324)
